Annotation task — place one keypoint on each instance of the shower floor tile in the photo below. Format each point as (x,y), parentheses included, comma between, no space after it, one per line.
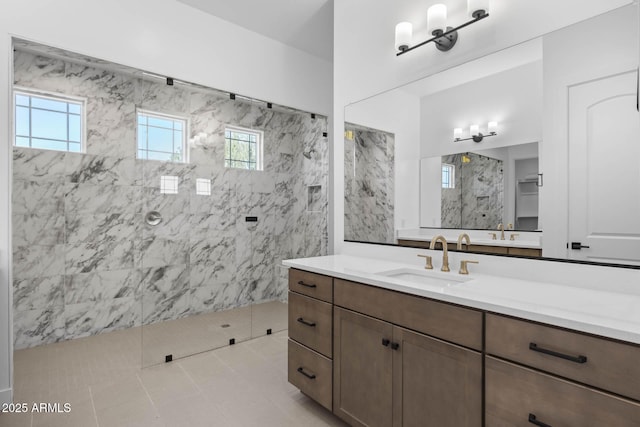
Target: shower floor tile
(101,377)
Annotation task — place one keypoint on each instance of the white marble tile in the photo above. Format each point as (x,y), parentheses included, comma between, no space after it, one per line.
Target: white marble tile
(39,326)
(101,286)
(38,293)
(87,318)
(33,261)
(99,256)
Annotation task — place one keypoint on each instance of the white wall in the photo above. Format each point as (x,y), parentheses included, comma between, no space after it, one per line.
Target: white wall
(365,61)
(575,55)
(162,36)
(398,113)
(513,98)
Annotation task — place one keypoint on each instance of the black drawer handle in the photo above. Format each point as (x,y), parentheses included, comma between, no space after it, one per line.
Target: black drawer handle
(577,359)
(308,285)
(385,342)
(304,322)
(310,376)
(395,345)
(534,420)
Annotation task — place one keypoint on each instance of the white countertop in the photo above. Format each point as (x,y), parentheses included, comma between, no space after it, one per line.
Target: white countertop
(451,238)
(601,312)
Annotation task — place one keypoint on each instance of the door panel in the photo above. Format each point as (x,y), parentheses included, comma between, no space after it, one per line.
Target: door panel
(435,383)
(362,375)
(604,171)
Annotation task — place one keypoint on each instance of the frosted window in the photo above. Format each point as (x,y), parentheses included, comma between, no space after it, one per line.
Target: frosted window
(203,187)
(169,184)
(448,176)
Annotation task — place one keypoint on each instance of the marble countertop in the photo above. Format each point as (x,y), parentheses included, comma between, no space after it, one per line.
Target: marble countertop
(597,311)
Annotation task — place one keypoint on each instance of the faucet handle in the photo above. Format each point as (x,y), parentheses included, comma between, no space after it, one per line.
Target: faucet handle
(510,226)
(513,236)
(463,266)
(428,263)
(494,236)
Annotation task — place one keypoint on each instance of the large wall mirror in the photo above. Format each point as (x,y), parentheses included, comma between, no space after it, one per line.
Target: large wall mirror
(556,173)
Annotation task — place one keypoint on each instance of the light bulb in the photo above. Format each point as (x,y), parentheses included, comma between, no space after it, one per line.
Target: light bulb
(492,127)
(477,8)
(437,19)
(474,130)
(404,32)
(457,133)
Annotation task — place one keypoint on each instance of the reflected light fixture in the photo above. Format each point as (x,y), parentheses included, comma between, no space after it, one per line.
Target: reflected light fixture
(444,37)
(475,134)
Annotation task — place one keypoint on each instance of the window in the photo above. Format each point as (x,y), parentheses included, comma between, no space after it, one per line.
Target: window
(161,137)
(48,121)
(448,176)
(242,148)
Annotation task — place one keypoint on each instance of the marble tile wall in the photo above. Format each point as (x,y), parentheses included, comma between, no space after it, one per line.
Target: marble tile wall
(85,262)
(477,202)
(369,186)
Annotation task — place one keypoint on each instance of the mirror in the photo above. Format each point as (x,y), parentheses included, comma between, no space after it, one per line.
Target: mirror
(548,95)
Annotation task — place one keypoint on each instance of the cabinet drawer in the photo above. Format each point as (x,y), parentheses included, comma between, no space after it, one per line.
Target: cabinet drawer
(310,323)
(515,394)
(311,284)
(311,373)
(448,322)
(609,365)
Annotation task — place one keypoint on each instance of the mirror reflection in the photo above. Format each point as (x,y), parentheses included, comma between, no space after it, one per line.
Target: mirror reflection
(560,126)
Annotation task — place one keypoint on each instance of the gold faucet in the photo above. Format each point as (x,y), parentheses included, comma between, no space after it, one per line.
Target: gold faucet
(465,237)
(445,253)
(501,230)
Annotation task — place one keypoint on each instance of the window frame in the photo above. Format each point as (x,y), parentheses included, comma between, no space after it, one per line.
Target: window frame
(259,146)
(54,96)
(452,176)
(185,132)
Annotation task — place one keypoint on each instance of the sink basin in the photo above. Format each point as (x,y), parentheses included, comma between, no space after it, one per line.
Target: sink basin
(426,277)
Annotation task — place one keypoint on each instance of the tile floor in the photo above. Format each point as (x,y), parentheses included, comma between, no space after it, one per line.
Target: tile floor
(100,376)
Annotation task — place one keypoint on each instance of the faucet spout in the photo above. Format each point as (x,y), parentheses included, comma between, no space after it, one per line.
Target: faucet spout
(501,230)
(466,238)
(445,253)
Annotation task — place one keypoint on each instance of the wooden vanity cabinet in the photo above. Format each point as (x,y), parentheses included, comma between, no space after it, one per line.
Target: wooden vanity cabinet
(310,364)
(387,375)
(579,379)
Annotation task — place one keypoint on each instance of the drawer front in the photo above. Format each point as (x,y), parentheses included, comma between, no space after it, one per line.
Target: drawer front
(451,323)
(311,373)
(311,284)
(310,323)
(609,365)
(517,396)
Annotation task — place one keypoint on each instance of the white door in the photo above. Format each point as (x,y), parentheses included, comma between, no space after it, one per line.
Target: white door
(604,170)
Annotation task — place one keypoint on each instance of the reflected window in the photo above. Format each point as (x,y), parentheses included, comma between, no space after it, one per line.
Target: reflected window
(203,187)
(48,121)
(243,148)
(448,176)
(161,137)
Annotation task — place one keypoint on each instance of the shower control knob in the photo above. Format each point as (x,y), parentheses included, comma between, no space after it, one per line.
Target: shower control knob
(153,218)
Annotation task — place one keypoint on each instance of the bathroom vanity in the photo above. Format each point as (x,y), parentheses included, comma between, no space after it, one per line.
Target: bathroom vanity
(383,343)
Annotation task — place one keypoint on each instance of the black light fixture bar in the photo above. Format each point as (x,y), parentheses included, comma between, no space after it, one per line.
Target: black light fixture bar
(478,16)
(476,138)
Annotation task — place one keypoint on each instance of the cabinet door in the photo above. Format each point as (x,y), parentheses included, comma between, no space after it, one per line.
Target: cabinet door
(435,383)
(362,375)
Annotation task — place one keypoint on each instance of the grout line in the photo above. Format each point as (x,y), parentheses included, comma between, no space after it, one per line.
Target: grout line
(148,395)
(93,406)
(191,378)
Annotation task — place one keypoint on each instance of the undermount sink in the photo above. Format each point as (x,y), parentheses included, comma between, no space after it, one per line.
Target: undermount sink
(426,277)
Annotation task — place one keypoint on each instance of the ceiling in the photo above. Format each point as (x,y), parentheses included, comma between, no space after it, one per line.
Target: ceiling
(306,25)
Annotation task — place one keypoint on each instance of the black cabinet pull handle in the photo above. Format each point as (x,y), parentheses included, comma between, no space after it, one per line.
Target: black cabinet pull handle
(385,342)
(304,322)
(395,345)
(534,420)
(308,285)
(310,376)
(577,359)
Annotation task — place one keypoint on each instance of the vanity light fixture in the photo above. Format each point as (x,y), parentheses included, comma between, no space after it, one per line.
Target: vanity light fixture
(474,131)
(444,37)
